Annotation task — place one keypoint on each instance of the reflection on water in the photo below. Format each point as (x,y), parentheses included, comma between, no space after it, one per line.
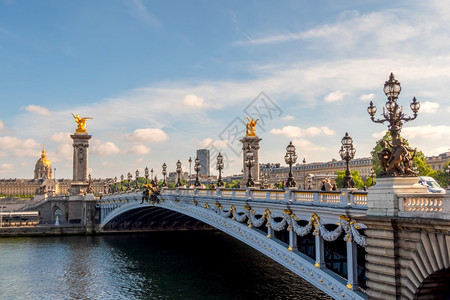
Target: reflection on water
(164,265)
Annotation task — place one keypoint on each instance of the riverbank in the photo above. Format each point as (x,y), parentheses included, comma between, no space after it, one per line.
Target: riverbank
(43,230)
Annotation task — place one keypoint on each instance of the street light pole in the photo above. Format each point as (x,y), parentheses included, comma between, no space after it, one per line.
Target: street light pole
(290,158)
(197,168)
(347,153)
(190,163)
(396,161)
(304,173)
(219,166)
(164,172)
(179,173)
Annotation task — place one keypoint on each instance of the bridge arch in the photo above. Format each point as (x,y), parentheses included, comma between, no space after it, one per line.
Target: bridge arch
(246,224)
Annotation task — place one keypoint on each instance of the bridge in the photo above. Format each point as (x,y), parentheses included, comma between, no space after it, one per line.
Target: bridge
(337,241)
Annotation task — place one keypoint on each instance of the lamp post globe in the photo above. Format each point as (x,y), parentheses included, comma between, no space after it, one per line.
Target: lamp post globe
(347,153)
(290,158)
(146,175)
(219,167)
(137,180)
(129,177)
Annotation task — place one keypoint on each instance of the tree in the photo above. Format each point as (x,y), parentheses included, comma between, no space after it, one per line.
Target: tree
(442,177)
(423,168)
(233,184)
(355,176)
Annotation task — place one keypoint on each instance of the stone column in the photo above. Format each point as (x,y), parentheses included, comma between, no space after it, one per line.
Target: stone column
(80,163)
(253,141)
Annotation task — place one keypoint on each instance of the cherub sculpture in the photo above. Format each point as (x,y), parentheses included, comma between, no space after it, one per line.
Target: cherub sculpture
(81,123)
(250,126)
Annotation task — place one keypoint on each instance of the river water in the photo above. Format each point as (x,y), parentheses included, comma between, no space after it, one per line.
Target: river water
(160,265)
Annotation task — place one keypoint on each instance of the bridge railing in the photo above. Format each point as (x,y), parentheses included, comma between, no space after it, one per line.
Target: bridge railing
(344,198)
(424,205)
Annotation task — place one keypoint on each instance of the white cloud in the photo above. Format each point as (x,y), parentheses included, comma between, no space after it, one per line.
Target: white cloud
(288,118)
(140,11)
(303,145)
(208,142)
(429,132)
(428,107)
(335,96)
(61,137)
(448,109)
(38,110)
(2,125)
(367,97)
(194,101)
(18,147)
(155,135)
(5,168)
(138,149)
(104,149)
(294,131)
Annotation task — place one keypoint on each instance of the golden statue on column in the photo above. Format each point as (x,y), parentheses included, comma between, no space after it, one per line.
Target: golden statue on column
(81,123)
(250,126)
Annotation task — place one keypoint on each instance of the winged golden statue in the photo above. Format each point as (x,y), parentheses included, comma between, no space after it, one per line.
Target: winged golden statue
(81,123)
(250,126)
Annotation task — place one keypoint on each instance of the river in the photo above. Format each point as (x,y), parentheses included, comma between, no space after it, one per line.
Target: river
(159,265)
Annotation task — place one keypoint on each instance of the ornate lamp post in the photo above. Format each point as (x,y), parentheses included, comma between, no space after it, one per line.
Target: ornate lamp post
(249,162)
(115,183)
(396,161)
(146,175)
(137,180)
(309,181)
(304,173)
(290,158)
(152,175)
(164,172)
(179,173)
(372,175)
(347,153)
(121,183)
(448,174)
(219,166)
(197,168)
(129,177)
(190,163)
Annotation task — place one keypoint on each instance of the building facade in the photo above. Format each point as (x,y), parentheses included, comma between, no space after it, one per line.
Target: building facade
(203,155)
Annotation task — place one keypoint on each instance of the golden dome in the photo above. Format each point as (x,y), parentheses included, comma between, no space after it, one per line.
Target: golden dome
(43,161)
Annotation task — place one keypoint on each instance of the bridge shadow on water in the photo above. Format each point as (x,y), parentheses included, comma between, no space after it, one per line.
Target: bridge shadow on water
(206,265)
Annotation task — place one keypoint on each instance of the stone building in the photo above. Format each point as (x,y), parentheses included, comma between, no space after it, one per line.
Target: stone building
(438,162)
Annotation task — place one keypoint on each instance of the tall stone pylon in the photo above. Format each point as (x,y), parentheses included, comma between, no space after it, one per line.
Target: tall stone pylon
(252,140)
(80,157)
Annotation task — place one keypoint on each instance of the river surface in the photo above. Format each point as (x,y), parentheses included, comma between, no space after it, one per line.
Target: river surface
(161,265)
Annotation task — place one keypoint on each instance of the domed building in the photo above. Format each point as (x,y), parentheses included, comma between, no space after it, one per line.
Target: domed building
(43,168)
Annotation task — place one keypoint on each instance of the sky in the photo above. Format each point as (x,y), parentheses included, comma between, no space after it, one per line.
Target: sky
(162,79)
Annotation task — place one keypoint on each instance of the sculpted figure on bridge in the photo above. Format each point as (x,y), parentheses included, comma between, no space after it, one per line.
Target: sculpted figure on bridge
(250,126)
(81,123)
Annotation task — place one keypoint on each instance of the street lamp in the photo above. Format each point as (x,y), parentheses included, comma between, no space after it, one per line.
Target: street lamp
(164,172)
(115,182)
(396,161)
(304,173)
(219,166)
(347,153)
(121,183)
(152,175)
(290,158)
(197,168)
(146,174)
(372,175)
(249,162)
(448,175)
(190,163)
(179,173)
(309,181)
(137,180)
(129,177)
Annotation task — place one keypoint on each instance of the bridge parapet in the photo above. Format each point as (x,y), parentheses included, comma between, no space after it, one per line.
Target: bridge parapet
(435,206)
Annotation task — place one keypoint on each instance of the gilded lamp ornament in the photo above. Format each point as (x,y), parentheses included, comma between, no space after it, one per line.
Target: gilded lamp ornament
(396,158)
(81,128)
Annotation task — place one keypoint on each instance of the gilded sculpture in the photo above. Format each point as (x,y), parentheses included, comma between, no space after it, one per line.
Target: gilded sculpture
(250,126)
(81,123)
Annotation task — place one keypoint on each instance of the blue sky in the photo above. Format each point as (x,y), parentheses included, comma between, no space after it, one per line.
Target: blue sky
(164,78)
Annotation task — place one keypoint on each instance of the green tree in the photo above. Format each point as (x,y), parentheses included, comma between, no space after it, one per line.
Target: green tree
(233,184)
(423,168)
(355,176)
(442,177)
